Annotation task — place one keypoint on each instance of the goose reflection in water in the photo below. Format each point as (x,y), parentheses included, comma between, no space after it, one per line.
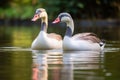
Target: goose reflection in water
(81,64)
(41,60)
(66,65)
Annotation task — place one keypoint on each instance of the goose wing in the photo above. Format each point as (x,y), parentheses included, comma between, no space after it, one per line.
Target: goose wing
(87,36)
(55,36)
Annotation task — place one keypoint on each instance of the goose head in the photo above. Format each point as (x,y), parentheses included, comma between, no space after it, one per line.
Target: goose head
(63,17)
(66,18)
(40,13)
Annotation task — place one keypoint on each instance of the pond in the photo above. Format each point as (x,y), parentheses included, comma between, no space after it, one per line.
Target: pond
(19,62)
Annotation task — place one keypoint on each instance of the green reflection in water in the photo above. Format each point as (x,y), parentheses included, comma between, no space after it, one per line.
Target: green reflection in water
(23,36)
(112,65)
(17,36)
(15,65)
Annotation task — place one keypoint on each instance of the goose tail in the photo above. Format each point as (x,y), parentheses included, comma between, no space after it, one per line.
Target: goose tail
(102,44)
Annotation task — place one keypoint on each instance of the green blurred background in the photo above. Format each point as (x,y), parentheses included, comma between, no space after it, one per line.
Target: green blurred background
(79,9)
(97,16)
(101,17)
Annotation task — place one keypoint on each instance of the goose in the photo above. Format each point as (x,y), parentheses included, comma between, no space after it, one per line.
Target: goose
(45,41)
(81,41)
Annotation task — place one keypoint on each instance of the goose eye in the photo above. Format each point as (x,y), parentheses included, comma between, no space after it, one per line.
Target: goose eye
(36,16)
(57,20)
(38,11)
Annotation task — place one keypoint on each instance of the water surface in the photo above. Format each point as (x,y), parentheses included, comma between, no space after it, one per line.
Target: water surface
(19,62)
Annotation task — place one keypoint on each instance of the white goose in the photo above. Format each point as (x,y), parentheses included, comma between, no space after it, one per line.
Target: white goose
(81,42)
(45,41)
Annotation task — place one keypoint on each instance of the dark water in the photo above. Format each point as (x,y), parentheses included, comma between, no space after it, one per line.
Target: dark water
(19,62)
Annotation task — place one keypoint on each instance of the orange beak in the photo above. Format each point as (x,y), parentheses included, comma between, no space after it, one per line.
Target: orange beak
(57,20)
(36,16)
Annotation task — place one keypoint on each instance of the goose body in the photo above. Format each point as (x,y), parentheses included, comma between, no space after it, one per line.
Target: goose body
(81,41)
(45,41)
(79,45)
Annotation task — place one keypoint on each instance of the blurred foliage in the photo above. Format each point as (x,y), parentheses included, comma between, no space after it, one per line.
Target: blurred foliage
(18,9)
(85,9)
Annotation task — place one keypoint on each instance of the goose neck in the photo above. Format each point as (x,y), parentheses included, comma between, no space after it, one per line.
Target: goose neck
(68,32)
(44,24)
(70,28)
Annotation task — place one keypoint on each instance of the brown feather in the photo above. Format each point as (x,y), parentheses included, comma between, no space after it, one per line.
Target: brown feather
(87,36)
(55,36)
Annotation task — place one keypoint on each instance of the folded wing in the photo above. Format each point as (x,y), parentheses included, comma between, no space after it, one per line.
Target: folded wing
(55,36)
(87,36)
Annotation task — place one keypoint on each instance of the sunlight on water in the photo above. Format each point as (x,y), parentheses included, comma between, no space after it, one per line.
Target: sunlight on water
(14,49)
